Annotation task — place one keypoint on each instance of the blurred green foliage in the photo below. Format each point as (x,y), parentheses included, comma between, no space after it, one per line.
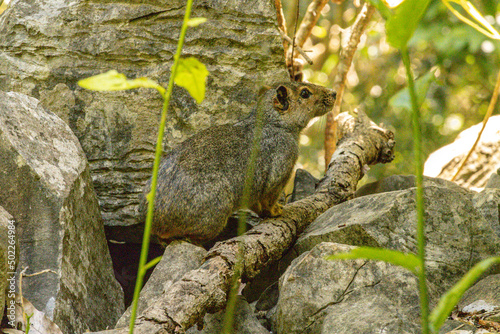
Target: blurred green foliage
(458,64)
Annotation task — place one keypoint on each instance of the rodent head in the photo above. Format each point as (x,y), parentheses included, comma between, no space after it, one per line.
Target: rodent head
(296,103)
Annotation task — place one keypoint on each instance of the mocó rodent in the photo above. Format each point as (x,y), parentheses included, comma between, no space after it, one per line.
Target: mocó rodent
(200,182)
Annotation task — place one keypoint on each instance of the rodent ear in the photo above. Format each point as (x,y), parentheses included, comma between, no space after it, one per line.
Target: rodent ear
(263,90)
(281,99)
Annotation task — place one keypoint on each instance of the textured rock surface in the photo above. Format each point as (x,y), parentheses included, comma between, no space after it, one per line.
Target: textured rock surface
(458,235)
(457,327)
(401,182)
(494,180)
(45,184)
(48,45)
(304,184)
(484,161)
(487,202)
(343,297)
(245,321)
(178,258)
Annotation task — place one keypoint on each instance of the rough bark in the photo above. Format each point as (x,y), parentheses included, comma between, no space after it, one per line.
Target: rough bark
(357,30)
(206,288)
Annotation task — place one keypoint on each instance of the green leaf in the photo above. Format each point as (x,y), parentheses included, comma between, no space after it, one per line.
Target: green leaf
(152,263)
(195,21)
(448,301)
(405,260)
(382,8)
(112,80)
(402,98)
(192,75)
(401,26)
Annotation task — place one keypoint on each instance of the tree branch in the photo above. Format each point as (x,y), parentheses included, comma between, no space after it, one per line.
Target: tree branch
(340,75)
(282,25)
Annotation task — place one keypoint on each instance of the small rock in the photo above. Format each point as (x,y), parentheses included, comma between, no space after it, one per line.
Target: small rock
(484,294)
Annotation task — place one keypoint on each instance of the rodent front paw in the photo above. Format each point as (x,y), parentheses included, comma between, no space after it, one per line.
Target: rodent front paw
(276,210)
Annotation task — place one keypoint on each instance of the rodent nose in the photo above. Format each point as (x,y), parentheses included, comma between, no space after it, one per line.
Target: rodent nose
(334,95)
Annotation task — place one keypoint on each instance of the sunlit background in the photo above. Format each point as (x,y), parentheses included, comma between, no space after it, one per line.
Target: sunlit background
(3,5)
(461,63)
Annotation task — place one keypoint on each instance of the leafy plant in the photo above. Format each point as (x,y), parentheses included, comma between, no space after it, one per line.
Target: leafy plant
(400,26)
(188,73)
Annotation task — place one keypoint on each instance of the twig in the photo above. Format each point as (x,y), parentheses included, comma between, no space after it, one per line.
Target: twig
(294,38)
(342,69)
(298,48)
(489,112)
(309,20)
(282,25)
(37,273)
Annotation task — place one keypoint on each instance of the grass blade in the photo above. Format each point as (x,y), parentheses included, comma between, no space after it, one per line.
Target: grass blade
(405,260)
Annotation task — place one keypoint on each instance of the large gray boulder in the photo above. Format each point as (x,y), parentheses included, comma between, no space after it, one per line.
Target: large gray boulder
(319,296)
(48,45)
(45,185)
(356,296)
(458,234)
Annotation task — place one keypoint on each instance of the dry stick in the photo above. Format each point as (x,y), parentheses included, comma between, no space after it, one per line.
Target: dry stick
(206,288)
(298,48)
(489,112)
(309,21)
(294,38)
(282,25)
(342,69)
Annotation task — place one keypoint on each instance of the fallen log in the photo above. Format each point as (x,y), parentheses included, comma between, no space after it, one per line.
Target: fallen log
(206,289)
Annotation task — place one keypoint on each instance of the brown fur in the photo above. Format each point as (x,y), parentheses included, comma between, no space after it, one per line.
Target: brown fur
(200,183)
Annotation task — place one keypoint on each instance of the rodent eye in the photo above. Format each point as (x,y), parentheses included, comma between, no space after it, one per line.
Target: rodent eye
(305,93)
